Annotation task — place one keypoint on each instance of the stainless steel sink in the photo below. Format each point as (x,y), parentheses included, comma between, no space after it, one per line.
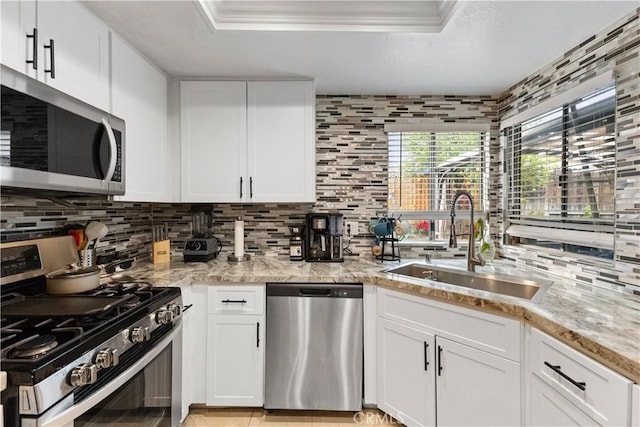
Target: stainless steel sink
(500,284)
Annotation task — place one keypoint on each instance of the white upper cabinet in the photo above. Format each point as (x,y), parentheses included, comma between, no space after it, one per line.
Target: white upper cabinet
(281,141)
(247,142)
(18,40)
(61,44)
(80,53)
(139,96)
(213,141)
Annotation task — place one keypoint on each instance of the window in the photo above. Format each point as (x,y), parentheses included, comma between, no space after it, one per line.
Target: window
(561,167)
(426,168)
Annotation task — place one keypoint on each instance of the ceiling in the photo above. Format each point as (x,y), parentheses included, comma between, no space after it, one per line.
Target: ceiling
(481,48)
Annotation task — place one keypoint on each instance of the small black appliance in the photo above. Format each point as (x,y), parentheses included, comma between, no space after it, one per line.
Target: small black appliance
(202,247)
(323,238)
(296,243)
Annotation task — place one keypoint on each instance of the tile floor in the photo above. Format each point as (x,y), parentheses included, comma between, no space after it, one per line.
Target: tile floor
(250,417)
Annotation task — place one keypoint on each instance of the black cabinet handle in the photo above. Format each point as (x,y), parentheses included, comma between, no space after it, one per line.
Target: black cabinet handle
(439,361)
(52,56)
(258,334)
(34,61)
(186,307)
(426,358)
(556,368)
(251,187)
(235,301)
(241,185)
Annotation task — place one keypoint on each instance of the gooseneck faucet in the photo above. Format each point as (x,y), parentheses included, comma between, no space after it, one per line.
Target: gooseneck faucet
(472,261)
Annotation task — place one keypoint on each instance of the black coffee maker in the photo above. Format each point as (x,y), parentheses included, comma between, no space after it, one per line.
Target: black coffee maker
(323,237)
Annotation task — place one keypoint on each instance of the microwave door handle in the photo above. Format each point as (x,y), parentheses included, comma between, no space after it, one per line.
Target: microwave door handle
(113,148)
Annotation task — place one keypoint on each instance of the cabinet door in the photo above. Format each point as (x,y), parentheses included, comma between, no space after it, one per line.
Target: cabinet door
(485,385)
(193,346)
(548,408)
(281,141)
(18,21)
(235,360)
(406,373)
(603,394)
(213,141)
(81,51)
(139,96)
(635,406)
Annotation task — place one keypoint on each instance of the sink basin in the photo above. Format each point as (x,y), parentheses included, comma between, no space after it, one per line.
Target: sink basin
(500,284)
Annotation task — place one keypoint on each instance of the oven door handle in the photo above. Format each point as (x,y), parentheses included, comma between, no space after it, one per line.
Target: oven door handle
(67,416)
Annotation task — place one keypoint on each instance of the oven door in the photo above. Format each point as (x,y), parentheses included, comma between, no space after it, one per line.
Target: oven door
(147,393)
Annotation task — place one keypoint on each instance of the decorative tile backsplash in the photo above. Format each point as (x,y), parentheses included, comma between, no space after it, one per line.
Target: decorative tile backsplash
(351,172)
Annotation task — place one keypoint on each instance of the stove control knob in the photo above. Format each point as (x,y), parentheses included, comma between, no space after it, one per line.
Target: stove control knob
(106,358)
(83,375)
(176,309)
(140,334)
(164,316)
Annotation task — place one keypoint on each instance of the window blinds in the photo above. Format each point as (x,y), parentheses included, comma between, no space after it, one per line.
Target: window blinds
(561,167)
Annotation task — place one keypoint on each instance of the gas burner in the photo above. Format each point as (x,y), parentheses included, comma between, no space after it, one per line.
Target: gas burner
(34,348)
(132,302)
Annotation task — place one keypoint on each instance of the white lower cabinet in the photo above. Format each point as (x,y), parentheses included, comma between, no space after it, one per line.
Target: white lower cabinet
(485,385)
(194,328)
(549,408)
(235,346)
(406,373)
(441,373)
(635,406)
(568,388)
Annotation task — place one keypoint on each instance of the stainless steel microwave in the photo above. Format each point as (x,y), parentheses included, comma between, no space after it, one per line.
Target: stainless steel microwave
(50,141)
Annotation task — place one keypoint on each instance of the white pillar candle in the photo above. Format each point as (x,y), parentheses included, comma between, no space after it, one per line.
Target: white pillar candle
(238,243)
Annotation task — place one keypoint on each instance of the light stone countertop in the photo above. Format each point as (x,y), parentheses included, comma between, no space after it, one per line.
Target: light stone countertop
(602,324)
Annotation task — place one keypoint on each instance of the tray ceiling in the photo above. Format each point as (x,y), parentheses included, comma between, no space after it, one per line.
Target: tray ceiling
(483,48)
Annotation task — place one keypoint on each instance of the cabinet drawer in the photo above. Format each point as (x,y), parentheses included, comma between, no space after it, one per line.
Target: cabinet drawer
(487,332)
(237,299)
(606,394)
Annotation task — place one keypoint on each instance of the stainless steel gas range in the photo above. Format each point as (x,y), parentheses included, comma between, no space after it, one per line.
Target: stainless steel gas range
(109,356)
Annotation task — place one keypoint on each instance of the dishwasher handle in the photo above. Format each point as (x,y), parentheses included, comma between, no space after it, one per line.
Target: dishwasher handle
(314,290)
(317,292)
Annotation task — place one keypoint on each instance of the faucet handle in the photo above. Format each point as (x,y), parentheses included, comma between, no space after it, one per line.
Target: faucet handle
(474,261)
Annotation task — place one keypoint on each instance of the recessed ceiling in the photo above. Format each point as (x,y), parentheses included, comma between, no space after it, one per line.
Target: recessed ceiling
(344,15)
(484,48)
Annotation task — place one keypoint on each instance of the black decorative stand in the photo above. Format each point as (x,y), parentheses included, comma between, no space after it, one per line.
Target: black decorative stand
(394,255)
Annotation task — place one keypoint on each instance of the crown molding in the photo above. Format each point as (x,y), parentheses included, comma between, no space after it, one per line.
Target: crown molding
(414,16)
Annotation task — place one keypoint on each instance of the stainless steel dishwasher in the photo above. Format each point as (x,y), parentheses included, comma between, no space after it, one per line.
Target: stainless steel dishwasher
(314,351)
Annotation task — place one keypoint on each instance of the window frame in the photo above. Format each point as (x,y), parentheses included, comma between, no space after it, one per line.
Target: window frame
(597,237)
(431,127)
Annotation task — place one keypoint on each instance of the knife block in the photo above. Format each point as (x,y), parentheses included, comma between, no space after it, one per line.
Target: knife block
(161,253)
